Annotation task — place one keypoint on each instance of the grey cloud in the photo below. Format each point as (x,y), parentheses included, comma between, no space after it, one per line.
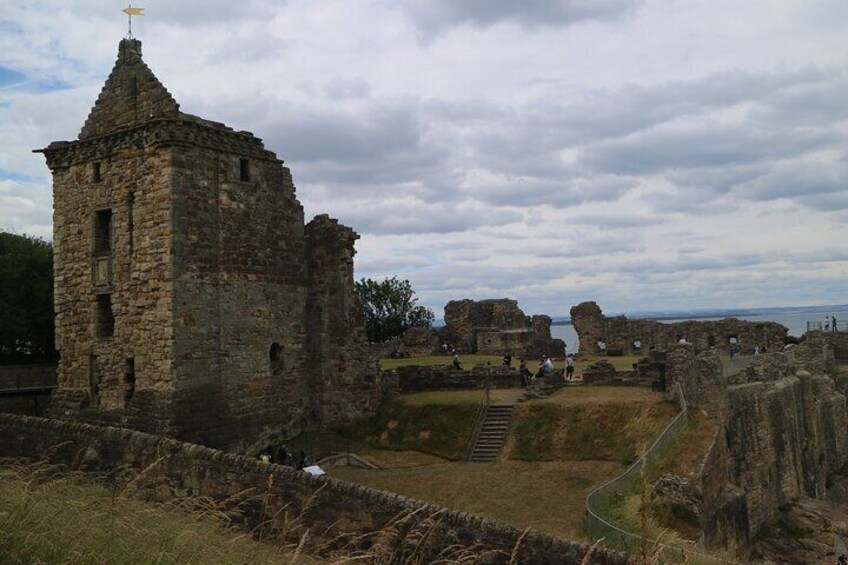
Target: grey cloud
(798,178)
(413,216)
(434,16)
(615,221)
(530,191)
(345,88)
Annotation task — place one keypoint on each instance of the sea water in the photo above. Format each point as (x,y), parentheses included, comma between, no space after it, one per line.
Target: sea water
(794,319)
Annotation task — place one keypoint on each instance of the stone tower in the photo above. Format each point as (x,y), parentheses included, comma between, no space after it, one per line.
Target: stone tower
(190,298)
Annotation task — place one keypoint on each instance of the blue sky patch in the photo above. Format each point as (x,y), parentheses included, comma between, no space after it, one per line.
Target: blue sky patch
(8,77)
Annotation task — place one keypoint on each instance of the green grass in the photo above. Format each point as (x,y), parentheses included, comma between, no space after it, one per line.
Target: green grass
(468,361)
(437,429)
(48,518)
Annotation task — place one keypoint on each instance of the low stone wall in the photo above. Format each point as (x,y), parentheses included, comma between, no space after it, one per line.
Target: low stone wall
(17,376)
(333,512)
(31,405)
(647,372)
(415,378)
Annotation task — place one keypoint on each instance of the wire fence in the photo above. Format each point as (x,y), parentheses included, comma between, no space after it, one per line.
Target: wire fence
(603,499)
(840,326)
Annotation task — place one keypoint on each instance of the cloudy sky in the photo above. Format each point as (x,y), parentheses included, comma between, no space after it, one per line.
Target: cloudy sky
(654,154)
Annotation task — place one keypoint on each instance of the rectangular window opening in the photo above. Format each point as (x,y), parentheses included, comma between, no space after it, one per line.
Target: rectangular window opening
(95,172)
(103,231)
(105,320)
(244,170)
(129,379)
(130,214)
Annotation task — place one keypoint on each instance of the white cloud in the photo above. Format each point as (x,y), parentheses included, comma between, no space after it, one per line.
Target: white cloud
(654,154)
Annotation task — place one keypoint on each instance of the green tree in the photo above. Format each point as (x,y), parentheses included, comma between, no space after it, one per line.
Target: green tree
(26,299)
(390,308)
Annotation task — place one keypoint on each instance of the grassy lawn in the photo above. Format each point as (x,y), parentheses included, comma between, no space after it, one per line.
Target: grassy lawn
(468,361)
(546,496)
(558,450)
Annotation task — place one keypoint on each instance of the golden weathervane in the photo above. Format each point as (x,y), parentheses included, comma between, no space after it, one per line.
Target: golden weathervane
(130,12)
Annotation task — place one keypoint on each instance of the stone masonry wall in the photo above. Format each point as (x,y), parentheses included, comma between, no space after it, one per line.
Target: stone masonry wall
(414,378)
(781,433)
(464,317)
(331,510)
(342,374)
(495,327)
(618,333)
(190,298)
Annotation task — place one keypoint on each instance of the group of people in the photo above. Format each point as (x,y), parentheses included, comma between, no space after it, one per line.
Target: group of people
(448,348)
(284,456)
(829,324)
(546,366)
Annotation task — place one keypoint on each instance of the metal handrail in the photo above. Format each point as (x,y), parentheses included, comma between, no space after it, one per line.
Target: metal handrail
(478,423)
(626,480)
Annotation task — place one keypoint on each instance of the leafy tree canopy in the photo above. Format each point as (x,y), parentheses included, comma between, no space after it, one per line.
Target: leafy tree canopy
(390,308)
(26,299)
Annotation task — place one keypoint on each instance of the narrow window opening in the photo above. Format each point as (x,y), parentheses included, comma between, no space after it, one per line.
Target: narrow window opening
(103,231)
(130,215)
(95,172)
(105,320)
(276,355)
(129,380)
(93,379)
(244,170)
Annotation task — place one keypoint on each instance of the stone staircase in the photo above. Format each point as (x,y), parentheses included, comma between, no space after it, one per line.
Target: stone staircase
(492,434)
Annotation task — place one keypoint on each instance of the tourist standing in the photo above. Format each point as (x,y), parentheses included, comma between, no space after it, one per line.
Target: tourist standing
(525,372)
(569,367)
(833,323)
(826,324)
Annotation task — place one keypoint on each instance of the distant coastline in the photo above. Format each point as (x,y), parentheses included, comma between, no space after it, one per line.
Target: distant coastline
(668,315)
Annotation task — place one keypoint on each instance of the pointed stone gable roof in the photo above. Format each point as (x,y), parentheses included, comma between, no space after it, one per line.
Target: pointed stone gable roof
(131,96)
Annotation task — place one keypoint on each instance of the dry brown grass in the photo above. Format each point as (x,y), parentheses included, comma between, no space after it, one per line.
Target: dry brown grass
(586,423)
(398,459)
(50,517)
(602,395)
(546,496)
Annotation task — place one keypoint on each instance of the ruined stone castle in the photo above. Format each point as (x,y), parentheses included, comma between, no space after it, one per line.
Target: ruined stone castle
(621,336)
(191,300)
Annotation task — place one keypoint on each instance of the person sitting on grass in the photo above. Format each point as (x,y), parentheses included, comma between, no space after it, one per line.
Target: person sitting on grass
(456,363)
